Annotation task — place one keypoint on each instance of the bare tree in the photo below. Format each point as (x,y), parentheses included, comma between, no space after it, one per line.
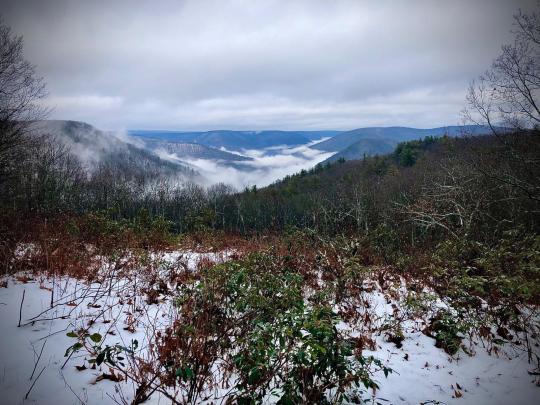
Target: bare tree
(507,99)
(508,93)
(20,90)
(451,201)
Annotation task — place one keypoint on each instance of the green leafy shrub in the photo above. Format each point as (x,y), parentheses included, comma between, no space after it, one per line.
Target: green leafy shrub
(447,330)
(93,344)
(151,230)
(507,272)
(250,320)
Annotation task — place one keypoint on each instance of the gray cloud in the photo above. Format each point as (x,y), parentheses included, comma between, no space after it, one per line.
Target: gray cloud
(307,64)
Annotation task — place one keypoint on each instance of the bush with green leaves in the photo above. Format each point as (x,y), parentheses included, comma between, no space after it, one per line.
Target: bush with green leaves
(507,272)
(448,331)
(93,344)
(248,324)
(486,284)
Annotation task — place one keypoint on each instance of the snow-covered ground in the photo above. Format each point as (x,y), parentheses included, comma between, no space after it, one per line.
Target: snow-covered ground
(425,374)
(429,374)
(32,356)
(33,362)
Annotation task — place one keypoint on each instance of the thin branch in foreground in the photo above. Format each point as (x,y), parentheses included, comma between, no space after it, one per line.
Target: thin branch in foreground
(71,389)
(20,309)
(35,381)
(37,362)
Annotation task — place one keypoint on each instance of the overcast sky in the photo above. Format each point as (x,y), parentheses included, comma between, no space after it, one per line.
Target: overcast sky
(313,64)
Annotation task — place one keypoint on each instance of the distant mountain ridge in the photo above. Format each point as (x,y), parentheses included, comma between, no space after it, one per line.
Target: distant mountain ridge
(237,140)
(364,147)
(355,144)
(395,134)
(191,156)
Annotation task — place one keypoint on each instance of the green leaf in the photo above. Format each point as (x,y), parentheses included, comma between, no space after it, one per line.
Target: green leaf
(73,348)
(95,337)
(71,334)
(100,357)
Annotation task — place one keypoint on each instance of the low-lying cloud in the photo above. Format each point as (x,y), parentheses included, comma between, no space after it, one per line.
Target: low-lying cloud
(267,165)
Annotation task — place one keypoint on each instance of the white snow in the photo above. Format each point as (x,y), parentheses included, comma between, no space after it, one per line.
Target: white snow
(422,372)
(425,374)
(429,374)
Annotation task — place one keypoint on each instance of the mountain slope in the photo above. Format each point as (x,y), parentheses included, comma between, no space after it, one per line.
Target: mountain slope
(364,147)
(94,148)
(187,151)
(393,135)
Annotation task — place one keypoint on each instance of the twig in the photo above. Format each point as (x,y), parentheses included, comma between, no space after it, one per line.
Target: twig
(115,400)
(67,298)
(20,309)
(34,383)
(71,389)
(37,362)
(54,333)
(69,357)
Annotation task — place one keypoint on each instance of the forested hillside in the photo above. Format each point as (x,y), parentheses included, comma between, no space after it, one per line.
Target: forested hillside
(95,149)
(359,142)
(435,173)
(183,150)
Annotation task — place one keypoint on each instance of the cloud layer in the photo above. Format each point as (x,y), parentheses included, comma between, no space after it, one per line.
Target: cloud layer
(267,166)
(239,64)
